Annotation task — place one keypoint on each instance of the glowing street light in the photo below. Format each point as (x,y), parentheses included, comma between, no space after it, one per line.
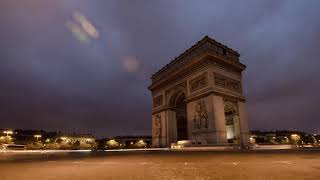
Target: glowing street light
(37,136)
(8,132)
(295,137)
(287,139)
(252,140)
(113,142)
(65,139)
(142,143)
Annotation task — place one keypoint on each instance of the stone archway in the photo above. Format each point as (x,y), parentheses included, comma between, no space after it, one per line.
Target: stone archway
(178,105)
(198,97)
(232,122)
(180,108)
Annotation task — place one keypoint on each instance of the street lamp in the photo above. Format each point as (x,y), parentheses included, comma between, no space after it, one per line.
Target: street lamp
(8,132)
(295,137)
(142,143)
(287,139)
(37,136)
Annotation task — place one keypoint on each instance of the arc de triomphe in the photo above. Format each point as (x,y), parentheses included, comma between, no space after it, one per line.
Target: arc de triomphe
(198,98)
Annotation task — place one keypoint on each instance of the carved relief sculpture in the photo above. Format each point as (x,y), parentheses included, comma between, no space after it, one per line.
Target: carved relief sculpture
(234,85)
(227,83)
(198,82)
(157,126)
(219,81)
(200,120)
(157,101)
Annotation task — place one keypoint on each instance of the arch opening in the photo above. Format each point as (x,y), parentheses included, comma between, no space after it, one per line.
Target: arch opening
(232,122)
(180,108)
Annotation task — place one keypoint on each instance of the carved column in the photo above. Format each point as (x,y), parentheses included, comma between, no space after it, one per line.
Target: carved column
(244,128)
(159,129)
(219,119)
(171,127)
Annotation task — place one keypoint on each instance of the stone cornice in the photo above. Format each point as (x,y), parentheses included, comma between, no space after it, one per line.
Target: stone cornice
(179,73)
(198,62)
(163,108)
(219,60)
(203,45)
(197,96)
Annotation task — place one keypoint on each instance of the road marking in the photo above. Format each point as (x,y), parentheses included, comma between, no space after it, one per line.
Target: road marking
(77,162)
(109,162)
(145,163)
(282,162)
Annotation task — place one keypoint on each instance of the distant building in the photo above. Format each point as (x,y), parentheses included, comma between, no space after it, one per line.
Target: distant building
(39,139)
(283,137)
(6,136)
(75,141)
(128,142)
(32,136)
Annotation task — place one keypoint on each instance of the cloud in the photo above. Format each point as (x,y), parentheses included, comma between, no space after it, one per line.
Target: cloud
(82,28)
(130,64)
(86,25)
(48,80)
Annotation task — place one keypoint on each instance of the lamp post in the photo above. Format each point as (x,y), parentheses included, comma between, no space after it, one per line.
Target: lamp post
(295,138)
(8,138)
(37,136)
(8,132)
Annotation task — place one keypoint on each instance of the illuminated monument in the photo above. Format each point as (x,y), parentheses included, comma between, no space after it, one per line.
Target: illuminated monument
(198,98)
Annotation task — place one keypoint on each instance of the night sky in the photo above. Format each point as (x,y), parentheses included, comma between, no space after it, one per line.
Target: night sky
(84,66)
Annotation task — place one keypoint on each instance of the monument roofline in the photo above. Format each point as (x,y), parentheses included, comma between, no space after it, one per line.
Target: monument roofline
(204,40)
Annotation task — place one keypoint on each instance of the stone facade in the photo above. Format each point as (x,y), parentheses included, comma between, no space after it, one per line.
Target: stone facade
(198,97)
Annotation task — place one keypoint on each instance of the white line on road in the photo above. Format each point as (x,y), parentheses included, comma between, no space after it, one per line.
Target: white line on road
(77,162)
(282,162)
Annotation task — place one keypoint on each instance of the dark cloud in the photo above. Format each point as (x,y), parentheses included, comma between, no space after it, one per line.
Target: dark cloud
(51,80)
